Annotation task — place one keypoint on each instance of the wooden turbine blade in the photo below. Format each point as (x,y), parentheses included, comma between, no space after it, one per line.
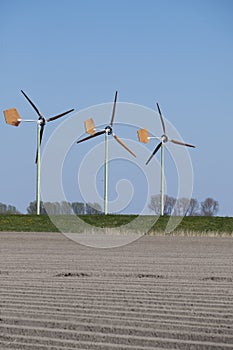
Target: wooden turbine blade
(124,145)
(182,143)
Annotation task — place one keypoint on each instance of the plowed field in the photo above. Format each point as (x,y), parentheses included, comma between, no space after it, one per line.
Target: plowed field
(155,293)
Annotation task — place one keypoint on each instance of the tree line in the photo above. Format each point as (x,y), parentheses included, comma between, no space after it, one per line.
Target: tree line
(179,207)
(8,209)
(55,208)
(184,206)
(65,208)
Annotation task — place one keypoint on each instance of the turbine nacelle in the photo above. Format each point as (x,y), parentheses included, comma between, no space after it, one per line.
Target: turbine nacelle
(42,121)
(108,130)
(164,138)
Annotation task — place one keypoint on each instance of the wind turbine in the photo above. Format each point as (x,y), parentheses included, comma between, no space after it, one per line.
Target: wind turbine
(108,130)
(143,136)
(12,117)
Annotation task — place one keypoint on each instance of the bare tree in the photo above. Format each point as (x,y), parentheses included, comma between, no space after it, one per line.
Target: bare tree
(209,207)
(155,204)
(31,209)
(78,208)
(3,208)
(186,207)
(181,206)
(193,208)
(52,208)
(65,208)
(8,209)
(93,208)
(169,203)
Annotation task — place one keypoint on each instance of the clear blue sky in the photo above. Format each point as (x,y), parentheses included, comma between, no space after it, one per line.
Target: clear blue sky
(76,53)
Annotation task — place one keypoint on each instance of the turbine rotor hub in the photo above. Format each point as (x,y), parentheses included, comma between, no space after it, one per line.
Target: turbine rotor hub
(164,138)
(41,121)
(108,130)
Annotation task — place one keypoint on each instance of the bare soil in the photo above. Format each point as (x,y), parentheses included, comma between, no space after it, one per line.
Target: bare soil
(156,293)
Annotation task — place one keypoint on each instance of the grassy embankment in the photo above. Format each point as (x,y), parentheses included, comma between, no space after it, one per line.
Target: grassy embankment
(195,224)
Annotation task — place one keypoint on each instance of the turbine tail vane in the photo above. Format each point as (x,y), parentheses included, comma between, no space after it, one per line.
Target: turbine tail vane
(143,135)
(90,126)
(12,116)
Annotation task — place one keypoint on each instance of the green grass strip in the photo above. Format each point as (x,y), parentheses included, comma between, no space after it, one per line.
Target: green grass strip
(34,223)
